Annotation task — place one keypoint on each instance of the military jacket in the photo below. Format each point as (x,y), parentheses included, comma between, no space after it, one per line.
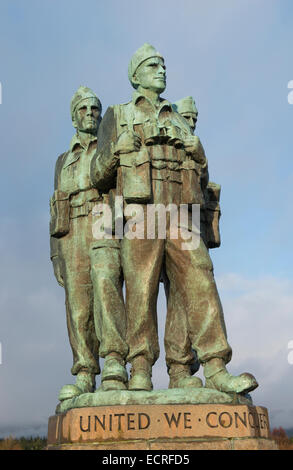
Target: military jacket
(74,195)
(162,156)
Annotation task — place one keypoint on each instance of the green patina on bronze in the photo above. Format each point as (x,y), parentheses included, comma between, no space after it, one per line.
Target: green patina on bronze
(178,396)
(145,152)
(89,271)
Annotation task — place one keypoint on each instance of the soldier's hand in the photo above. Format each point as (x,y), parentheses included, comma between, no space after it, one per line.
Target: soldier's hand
(128,142)
(57,271)
(193,146)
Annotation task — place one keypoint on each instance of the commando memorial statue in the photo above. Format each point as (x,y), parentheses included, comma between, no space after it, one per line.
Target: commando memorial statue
(133,207)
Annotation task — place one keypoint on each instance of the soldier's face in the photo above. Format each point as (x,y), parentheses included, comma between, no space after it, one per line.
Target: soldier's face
(191,118)
(87,116)
(151,75)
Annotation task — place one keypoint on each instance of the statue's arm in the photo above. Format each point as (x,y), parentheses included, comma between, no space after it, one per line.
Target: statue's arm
(54,242)
(104,163)
(54,255)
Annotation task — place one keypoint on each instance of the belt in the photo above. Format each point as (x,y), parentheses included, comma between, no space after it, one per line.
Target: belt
(83,210)
(166,175)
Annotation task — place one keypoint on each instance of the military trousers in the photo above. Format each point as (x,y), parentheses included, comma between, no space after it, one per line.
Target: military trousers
(193,300)
(177,347)
(75,267)
(109,309)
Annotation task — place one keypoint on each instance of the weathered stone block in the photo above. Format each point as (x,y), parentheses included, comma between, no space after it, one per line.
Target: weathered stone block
(205,426)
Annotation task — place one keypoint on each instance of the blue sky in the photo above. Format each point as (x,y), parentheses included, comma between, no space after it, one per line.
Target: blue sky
(235,58)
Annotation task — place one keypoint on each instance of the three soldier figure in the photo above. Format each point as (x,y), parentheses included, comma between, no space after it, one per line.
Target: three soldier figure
(146,153)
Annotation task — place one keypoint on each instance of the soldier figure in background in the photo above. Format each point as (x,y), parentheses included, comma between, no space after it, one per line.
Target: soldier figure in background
(178,346)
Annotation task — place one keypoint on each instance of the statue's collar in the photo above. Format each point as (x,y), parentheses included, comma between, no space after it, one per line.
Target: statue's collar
(139,98)
(75,142)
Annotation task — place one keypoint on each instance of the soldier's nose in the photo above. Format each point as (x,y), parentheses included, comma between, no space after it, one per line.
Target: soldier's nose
(162,71)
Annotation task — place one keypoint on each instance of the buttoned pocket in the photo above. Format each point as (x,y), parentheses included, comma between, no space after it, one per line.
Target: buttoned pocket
(136,182)
(191,189)
(59,209)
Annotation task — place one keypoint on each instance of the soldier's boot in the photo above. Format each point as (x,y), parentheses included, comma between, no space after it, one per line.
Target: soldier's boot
(85,383)
(141,373)
(217,377)
(180,377)
(114,374)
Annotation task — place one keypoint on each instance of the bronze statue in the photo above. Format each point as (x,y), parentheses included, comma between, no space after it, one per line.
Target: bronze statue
(148,151)
(76,256)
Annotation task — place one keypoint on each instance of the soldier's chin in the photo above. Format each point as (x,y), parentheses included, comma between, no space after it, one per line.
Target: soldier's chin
(160,87)
(90,128)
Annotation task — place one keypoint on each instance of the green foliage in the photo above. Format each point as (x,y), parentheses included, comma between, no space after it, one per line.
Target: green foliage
(23,443)
(33,443)
(9,443)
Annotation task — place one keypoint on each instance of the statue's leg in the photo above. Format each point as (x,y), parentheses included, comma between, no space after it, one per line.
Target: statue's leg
(75,265)
(181,359)
(191,272)
(142,262)
(109,311)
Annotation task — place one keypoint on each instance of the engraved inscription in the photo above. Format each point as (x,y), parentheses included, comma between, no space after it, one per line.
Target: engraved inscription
(226,420)
(213,420)
(115,421)
(175,420)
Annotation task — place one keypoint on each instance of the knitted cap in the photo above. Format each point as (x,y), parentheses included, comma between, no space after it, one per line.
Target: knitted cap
(81,94)
(143,53)
(186,105)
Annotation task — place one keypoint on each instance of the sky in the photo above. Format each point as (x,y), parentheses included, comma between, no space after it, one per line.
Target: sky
(235,58)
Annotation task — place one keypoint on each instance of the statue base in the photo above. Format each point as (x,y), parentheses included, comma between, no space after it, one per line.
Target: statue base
(138,421)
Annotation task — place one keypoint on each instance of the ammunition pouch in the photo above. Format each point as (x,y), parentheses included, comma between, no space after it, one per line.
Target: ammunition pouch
(135,175)
(59,210)
(212,215)
(191,189)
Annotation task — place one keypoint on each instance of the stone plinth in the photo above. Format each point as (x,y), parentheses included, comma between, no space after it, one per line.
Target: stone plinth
(158,426)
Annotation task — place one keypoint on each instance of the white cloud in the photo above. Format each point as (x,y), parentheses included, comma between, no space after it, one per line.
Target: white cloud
(259,319)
